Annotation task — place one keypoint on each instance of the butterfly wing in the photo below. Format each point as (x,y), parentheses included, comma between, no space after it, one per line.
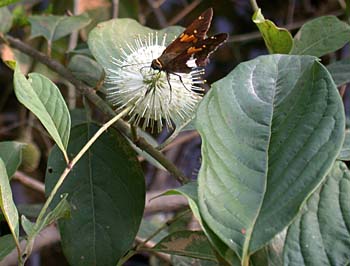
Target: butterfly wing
(200,51)
(195,32)
(206,47)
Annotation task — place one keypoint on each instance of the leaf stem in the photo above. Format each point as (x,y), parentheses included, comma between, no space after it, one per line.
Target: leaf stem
(254,5)
(76,159)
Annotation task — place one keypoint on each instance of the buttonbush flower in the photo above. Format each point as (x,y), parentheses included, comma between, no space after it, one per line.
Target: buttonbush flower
(133,83)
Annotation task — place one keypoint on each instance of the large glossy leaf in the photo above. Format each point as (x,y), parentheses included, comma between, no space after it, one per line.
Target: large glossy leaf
(277,40)
(11,155)
(7,204)
(55,27)
(41,96)
(186,243)
(270,132)
(321,36)
(106,192)
(85,69)
(190,192)
(6,19)
(340,71)
(321,235)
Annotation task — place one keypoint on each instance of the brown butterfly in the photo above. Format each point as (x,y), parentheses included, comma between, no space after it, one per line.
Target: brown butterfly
(191,44)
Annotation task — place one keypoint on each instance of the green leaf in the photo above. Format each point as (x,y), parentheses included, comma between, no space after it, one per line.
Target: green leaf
(106,191)
(55,27)
(28,226)
(62,210)
(7,244)
(277,40)
(7,2)
(190,192)
(129,9)
(81,49)
(86,69)
(6,19)
(347,9)
(344,154)
(80,116)
(321,235)
(186,243)
(340,71)
(270,132)
(271,254)
(147,228)
(184,261)
(30,210)
(41,96)
(7,204)
(108,38)
(11,155)
(321,36)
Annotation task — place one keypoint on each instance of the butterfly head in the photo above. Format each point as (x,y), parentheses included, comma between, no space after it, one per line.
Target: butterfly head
(156,64)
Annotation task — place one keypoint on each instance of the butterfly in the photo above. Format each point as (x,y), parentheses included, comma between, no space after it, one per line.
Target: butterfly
(193,43)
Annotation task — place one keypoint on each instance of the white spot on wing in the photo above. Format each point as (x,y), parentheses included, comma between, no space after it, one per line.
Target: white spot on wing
(191,62)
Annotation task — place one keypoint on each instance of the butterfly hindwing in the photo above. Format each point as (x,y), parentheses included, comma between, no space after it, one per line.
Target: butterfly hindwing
(207,47)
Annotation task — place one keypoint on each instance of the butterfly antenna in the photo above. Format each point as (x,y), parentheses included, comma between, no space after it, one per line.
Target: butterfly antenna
(136,64)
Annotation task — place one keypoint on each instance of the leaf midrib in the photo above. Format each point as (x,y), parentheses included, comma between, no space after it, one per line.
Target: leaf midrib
(92,198)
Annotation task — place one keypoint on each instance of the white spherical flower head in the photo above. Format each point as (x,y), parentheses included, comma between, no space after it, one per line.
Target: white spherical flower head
(152,96)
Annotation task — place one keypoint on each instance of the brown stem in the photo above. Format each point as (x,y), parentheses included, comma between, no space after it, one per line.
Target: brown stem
(29,182)
(96,100)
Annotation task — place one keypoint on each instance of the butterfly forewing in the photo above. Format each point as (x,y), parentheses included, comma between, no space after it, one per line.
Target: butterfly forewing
(191,44)
(193,33)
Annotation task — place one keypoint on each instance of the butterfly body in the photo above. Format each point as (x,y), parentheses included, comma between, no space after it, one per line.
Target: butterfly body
(191,44)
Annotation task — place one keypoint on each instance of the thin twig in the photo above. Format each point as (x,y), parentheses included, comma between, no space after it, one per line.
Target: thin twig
(29,182)
(159,14)
(139,247)
(96,100)
(254,5)
(181,140)
(251,36)
(115,8)
(342,90)
(171,203)
(47,237)
(290,13)
(184,12)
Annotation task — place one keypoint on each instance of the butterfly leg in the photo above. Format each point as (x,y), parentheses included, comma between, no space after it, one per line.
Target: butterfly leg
(180,78)
(171,90)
